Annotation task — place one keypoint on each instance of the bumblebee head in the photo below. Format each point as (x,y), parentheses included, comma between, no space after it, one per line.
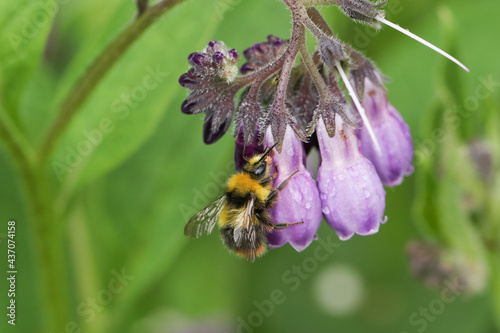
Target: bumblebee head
(258,165)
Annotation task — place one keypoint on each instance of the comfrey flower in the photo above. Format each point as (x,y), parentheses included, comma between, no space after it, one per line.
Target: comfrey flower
(352,195)
(299,200)
(293,105)
(393,160)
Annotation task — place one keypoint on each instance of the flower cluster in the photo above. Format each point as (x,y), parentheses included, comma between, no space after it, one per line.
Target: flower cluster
(363,145)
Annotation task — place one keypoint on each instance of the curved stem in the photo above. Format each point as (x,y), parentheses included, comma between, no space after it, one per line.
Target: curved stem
(262,74)
(292,50)
(15,142)
(96,71)
(310,3)
(313,71)
(48,233)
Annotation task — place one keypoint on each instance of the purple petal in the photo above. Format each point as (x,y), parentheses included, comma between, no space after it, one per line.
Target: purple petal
(351,193)
(299,200)
(393,134)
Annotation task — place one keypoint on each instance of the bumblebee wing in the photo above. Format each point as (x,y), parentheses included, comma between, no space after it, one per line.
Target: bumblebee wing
(205,220)
(245,229)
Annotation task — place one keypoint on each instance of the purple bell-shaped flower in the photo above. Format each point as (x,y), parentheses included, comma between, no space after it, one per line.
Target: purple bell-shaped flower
(393,162)
(299,200)
(352,195)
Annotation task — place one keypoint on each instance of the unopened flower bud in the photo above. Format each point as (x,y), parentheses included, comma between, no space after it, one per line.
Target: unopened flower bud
(261,54)
(364,11)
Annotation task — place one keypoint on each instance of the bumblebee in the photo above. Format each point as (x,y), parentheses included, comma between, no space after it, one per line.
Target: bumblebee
(242,212)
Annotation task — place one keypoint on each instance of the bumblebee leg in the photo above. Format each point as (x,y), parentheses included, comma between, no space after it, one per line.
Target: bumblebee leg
(274,175)
(265,222)
(272,196)
(268,179)
(285,225)
(270,226)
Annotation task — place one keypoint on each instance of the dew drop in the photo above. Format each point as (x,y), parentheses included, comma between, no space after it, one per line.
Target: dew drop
(308,205)
(367,194)
(297,196)
(354,172)
(326,210)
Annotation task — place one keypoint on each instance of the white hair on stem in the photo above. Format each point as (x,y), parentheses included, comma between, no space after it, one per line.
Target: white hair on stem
(360,108)
(423,41)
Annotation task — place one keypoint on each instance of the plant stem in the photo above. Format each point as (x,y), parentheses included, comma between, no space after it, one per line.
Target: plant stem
(49,243)
(291,52)
(48,234)
(16,144)
(96,71)
(495,286)
(310,3)
(313,71)
(84,265)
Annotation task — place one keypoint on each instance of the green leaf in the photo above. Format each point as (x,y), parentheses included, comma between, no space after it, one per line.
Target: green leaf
(150,197)
(67,56)
(24,27)
(130,101)
(37,105)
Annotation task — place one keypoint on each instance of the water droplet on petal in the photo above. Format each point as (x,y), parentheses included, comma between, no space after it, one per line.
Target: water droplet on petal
(297,196)
(367,194)
(326,210)
(308,205)
(354,172)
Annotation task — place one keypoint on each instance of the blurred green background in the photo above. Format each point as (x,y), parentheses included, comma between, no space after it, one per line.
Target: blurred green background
(124,204)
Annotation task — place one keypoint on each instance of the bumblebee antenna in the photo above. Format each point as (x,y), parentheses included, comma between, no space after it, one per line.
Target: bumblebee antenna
(266,152)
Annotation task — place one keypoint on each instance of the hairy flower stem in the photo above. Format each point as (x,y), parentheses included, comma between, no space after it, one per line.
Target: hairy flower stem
(260,76)
(96,71)
(313,71)
(319,34)
(291,54)
(310,3)
(285,60)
